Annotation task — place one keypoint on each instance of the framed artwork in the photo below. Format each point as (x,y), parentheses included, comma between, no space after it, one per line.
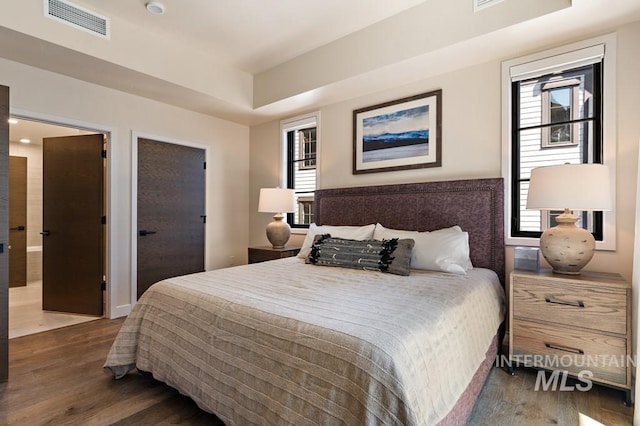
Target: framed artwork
(398,135)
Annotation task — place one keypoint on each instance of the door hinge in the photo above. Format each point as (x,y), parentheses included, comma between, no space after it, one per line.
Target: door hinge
(205,165)
(103,220)
(104,153)
(1,248)
(103,286)
(204,218)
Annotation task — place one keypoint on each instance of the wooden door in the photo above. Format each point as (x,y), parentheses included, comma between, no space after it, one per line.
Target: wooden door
(72,224)
(17,221)
(171,209)
(4,233)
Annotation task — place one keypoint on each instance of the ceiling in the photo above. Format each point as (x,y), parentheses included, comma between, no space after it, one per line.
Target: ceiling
(251,61)
(253,35)
(35,131)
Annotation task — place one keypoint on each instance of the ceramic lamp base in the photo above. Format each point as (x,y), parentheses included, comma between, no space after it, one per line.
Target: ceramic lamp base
(567,247)
(278,232)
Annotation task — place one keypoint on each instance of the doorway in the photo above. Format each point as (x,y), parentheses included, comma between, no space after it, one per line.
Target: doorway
(26,313)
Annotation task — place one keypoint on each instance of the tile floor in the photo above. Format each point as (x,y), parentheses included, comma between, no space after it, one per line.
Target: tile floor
(27,317)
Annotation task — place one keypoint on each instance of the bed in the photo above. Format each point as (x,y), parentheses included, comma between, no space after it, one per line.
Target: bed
(287,342)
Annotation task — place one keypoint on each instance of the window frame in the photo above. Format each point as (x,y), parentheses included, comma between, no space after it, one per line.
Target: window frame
(305,160)
(544,63)
(294,124)
(592,153)
(572,84)
(303,212)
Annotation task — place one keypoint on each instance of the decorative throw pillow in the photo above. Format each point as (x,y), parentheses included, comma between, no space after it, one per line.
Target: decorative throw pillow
(351,232)
(392,256)
(444,250)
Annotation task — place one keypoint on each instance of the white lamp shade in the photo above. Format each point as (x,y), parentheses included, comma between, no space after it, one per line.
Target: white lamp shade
(572,186)
(276,200)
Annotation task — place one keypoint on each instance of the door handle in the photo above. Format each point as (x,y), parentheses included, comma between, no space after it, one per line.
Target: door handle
(18,228)
(144,233)
(45,233)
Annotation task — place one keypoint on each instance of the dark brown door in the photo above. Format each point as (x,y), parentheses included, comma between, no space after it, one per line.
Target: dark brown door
(171,208)
(72,212)
(4,233)
(17,221)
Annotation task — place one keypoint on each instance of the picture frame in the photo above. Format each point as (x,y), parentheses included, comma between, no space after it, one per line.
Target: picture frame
(398,135)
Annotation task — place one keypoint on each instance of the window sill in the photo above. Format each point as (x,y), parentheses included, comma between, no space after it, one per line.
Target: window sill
(535,242)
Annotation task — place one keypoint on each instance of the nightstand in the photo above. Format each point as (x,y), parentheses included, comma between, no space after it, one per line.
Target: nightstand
(578,324)
(262,254)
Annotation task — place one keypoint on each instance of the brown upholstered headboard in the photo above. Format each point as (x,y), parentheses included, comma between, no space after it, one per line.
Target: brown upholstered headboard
(475,205)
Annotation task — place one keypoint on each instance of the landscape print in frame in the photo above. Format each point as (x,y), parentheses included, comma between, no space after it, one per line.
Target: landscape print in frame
(398,135)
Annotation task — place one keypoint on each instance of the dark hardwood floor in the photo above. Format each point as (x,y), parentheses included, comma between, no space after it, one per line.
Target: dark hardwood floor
(56,378)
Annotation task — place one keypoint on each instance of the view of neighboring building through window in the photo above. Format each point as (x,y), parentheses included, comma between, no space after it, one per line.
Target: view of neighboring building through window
(300,144)
(307,148)
(556,119)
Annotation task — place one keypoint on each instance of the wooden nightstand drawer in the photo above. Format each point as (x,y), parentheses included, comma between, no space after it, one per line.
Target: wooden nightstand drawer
(581,304)
(572,350)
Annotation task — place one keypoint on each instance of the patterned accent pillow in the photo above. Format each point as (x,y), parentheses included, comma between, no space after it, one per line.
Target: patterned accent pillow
(351,232)
(392,256)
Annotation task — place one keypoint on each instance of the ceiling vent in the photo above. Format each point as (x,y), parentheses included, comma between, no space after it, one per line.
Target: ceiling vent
(77,17)
(483,4)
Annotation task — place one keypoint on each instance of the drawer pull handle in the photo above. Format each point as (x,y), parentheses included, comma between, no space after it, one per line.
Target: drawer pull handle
(577,304)
(564,348)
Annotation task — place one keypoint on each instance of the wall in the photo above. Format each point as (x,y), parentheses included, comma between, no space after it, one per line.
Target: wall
(264,166)
(33,152)
(470,150)
(471,121)
(41,94)
(464,155)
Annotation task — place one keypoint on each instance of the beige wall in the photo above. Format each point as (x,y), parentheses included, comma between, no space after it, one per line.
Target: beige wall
(33,153)
(38,94)
(471,141)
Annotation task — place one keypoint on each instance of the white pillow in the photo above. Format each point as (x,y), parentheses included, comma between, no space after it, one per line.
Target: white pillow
(444,250)
(350,232)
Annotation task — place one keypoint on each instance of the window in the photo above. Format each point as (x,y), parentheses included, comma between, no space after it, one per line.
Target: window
(556,119)
(307,140)
(553,107)
(300,142)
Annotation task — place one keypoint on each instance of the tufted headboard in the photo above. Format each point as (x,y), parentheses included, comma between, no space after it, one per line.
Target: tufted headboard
(476,205)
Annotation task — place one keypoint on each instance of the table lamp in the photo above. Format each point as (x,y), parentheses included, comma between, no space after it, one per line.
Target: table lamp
(567,187)
(278,201)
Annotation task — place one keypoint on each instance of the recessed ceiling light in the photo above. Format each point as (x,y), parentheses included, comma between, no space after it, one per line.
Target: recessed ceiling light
(155,7)
(25,140)
(12,121)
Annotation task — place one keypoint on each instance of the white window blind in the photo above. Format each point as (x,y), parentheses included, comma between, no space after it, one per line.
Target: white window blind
(549,65)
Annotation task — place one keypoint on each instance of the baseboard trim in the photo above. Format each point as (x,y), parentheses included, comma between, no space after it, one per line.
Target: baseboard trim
(120,311)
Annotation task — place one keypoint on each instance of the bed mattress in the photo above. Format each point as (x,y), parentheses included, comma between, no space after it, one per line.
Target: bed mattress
(284,342)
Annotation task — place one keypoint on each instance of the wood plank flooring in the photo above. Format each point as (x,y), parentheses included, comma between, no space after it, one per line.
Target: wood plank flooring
(56,377)
(512,400)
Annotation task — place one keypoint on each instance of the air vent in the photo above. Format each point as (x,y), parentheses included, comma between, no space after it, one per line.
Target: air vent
(77,17)
(482,4)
